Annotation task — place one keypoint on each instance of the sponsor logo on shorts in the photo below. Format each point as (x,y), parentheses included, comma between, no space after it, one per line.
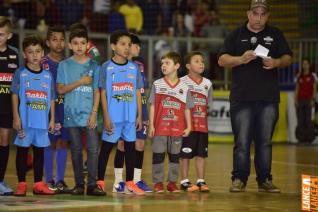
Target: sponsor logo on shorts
(186,150)
(12,65)
(12,56)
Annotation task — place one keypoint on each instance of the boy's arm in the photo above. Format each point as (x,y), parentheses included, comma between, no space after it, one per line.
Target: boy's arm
(151,131)
(52,118)
(15,110)
(187,130)
(108,125)
(91,123)
(62,88)
(139,109)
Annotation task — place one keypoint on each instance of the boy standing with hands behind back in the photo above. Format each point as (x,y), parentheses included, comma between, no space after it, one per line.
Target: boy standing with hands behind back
(169,121)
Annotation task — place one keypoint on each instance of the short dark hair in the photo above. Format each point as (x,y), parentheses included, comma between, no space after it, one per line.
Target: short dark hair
(55,28)
(32,40)
(116,35)
(188,57)
(78,30)
(174,56)
(5,21)
(134,39)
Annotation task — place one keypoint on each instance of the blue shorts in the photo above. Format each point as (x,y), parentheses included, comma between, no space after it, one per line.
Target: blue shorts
(63,135)
(35,137)
(126,131)
(142,134)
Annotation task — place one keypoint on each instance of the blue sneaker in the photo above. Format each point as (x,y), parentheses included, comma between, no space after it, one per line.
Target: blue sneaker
(5,190)
(143,186)
(119,188)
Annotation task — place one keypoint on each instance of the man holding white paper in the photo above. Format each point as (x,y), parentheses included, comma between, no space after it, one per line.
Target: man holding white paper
(254,52)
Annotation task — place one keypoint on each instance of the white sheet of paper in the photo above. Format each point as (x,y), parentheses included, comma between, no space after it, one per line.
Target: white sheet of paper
(261,51)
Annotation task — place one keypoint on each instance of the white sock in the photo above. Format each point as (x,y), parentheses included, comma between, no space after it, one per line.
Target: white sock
(200,181)
(184,181)
(118,175)
(137,175)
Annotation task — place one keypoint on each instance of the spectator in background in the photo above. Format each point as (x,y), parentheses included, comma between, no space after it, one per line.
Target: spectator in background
(96,15)
(305,92)
(152,11)
(116,20)
(184,19)
(133,16)
(201,17)
(167,11)
(70,11)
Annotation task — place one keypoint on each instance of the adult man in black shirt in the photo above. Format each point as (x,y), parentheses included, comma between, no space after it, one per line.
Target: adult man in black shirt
(254,94)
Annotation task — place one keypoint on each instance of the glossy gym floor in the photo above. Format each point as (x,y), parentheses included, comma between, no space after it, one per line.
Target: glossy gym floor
(289,162)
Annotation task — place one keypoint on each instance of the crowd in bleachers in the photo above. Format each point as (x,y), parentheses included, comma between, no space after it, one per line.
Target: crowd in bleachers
(147,17)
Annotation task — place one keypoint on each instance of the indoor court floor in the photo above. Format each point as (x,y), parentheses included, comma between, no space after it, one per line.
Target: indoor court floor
(289,162)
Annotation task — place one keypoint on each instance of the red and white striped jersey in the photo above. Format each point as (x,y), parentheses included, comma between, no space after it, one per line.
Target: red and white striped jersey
(201,93)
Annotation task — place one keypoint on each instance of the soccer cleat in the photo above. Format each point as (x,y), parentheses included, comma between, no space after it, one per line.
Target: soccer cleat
(143,186)
(42,189)
(119,188)
(21,189)
(132,188)
(189,187)
(51,185)
(237,186)
(269,187)
(62,188)
(203,187)
(5,190)
(158,188)
(101,184)
(172,187)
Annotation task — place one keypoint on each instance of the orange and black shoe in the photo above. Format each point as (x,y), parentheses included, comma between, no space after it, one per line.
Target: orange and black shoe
(203,187)
(42,189)
(189,187)
(21,189)
(132,188)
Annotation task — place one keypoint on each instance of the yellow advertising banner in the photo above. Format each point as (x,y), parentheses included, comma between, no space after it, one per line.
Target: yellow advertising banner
(220,124)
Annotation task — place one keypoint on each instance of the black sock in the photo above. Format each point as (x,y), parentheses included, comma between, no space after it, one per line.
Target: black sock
(119,159)
(38,161)
(130,160)
(104,153)
(139,159)
(21,162)
(4,156)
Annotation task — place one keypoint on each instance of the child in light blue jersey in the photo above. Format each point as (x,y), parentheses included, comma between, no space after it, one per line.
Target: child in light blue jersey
(120,82)
(77,79)
(33,98)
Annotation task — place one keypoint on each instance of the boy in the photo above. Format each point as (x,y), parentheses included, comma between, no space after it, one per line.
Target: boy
(120,82)
(169,121)
(196,144)
(77,79)
(140,134)
(56,42)
(8,64)
(33,99)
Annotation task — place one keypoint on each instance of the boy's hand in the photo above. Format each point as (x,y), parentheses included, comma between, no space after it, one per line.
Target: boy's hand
(151,131)
(139,123)
(109,127)
(17,123)
(85,80)
(186,132)
(51,126)
(91,122)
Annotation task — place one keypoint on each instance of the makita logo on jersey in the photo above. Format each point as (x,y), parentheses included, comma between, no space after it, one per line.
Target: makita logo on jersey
(124,86)
(6,77)
(36,94)
(167,103)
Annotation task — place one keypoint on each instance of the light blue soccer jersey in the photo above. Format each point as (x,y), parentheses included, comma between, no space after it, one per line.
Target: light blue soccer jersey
(35,91)
(120,82)
(78,103)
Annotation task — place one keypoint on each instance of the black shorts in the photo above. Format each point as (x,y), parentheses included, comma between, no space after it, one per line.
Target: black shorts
(6,121)
(196,144)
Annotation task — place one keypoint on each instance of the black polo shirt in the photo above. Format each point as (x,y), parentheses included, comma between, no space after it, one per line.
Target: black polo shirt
(9,62)
(251,82)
